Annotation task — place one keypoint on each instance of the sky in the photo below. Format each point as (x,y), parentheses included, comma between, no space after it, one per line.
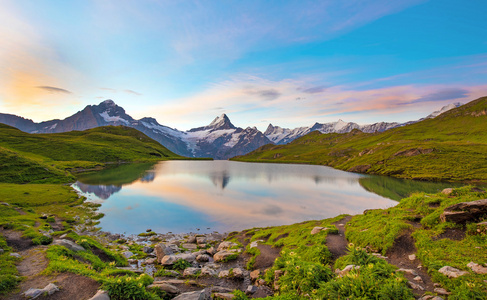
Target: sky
(289,63)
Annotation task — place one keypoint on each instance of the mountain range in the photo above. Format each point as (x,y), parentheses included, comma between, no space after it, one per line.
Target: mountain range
(219,140)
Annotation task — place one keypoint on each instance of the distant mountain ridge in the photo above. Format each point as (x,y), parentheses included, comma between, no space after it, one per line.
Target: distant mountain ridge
(219,140)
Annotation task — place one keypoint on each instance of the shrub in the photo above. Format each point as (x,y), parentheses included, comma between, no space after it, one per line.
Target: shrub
(181,264)
(128,288)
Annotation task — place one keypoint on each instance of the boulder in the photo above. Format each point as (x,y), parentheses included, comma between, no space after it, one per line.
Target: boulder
(100,295)
(479,269)
(465,211)
(441,291)
(197,295)
(223,255)
(223,296)
(14,254)
(190,246)
(162,250)
(224,274)
(251,289)
(447,191)
(191,271)
(254,274)
(317,229)
(148,249)
(211,251)
(238,273)
(191,239)
(412,257)
(226,246)
(203,258)
(166,287)
(47,290)
(415,286)
(68,244)
(208,271)
(201,240)
(127,254)
(171,259)
(149,261)
(452,272)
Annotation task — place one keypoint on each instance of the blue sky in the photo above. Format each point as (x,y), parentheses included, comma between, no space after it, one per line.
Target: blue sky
(291,63)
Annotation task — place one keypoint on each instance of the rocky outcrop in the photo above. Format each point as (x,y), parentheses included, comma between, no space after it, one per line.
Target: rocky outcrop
(69,244)
(465,212)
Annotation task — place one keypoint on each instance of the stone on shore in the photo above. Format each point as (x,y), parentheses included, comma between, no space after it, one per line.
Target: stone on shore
(226,246)
(223,296)
(166,287)
(68,244)
(197,295)
(191,271)
(452,272)
(223,255)
(171,259)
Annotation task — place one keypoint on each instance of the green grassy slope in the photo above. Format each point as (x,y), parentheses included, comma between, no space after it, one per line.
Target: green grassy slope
(46,157)
(452,146)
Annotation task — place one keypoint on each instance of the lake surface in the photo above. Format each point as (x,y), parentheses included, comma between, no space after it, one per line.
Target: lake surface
(206,196)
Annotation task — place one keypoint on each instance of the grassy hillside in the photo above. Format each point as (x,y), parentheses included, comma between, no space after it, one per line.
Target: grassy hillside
(449,147)
(43,158)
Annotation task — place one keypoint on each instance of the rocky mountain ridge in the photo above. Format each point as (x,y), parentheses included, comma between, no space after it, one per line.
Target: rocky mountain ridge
(219,140)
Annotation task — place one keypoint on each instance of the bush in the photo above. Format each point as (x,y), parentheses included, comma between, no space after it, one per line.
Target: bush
(8,283)
(42,240)
(181,264)
(128,288)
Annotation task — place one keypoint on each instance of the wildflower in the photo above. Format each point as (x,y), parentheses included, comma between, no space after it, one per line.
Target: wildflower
(292,253)
(370,266)
(297,267)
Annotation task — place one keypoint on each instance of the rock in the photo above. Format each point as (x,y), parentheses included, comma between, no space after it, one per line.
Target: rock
(238,273)
(254,274)
(203,258)
(190,246)
(261,282)
(200,240)
(254,244)
(202,245)
(441,291)
(191,271)
(150,261)
(447,191)
(452,272)
(220,289)
(477,268)
(412,257)
(162,250)
(347,269)
(224,274)
(408,271)
(208,271)
(127,254)
(191,239)
(418,279)
(226,246)
(415,286)
(464,211)
(166,287)
(223,296)
(197,295)
(1,251)
(124,247)
(14,254)
(171,259)
(211,251)
(223,255)
(251,289)
(379,255)
(148,249)
(47,290)
(148,230)
(132,269)
(68,244)
(100,295)
(429,297)
(277,275)
(318,229)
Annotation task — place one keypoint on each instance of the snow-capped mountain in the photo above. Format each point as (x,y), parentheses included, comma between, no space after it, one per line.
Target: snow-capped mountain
(219,140)
(444,109)
(281,136)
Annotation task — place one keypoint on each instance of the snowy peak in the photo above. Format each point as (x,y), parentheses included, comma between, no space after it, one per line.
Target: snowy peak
(221,122)
(444,109)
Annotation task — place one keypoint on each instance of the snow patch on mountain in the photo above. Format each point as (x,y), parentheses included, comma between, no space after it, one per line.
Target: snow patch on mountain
(444,109)
(109,118)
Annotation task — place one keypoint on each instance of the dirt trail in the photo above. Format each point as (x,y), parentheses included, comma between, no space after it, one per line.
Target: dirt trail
(33,262)
(337,243)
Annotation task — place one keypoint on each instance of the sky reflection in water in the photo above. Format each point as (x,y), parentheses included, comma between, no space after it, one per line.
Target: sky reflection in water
(182,196)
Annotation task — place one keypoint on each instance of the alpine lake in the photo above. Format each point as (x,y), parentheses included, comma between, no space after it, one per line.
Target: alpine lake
(223,196)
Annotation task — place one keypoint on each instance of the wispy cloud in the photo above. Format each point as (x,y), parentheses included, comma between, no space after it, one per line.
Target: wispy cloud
(313,90)
(132,92)
(395,103)
(53,89)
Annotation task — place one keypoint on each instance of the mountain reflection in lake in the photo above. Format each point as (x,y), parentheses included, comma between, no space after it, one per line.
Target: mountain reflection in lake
(184,196)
